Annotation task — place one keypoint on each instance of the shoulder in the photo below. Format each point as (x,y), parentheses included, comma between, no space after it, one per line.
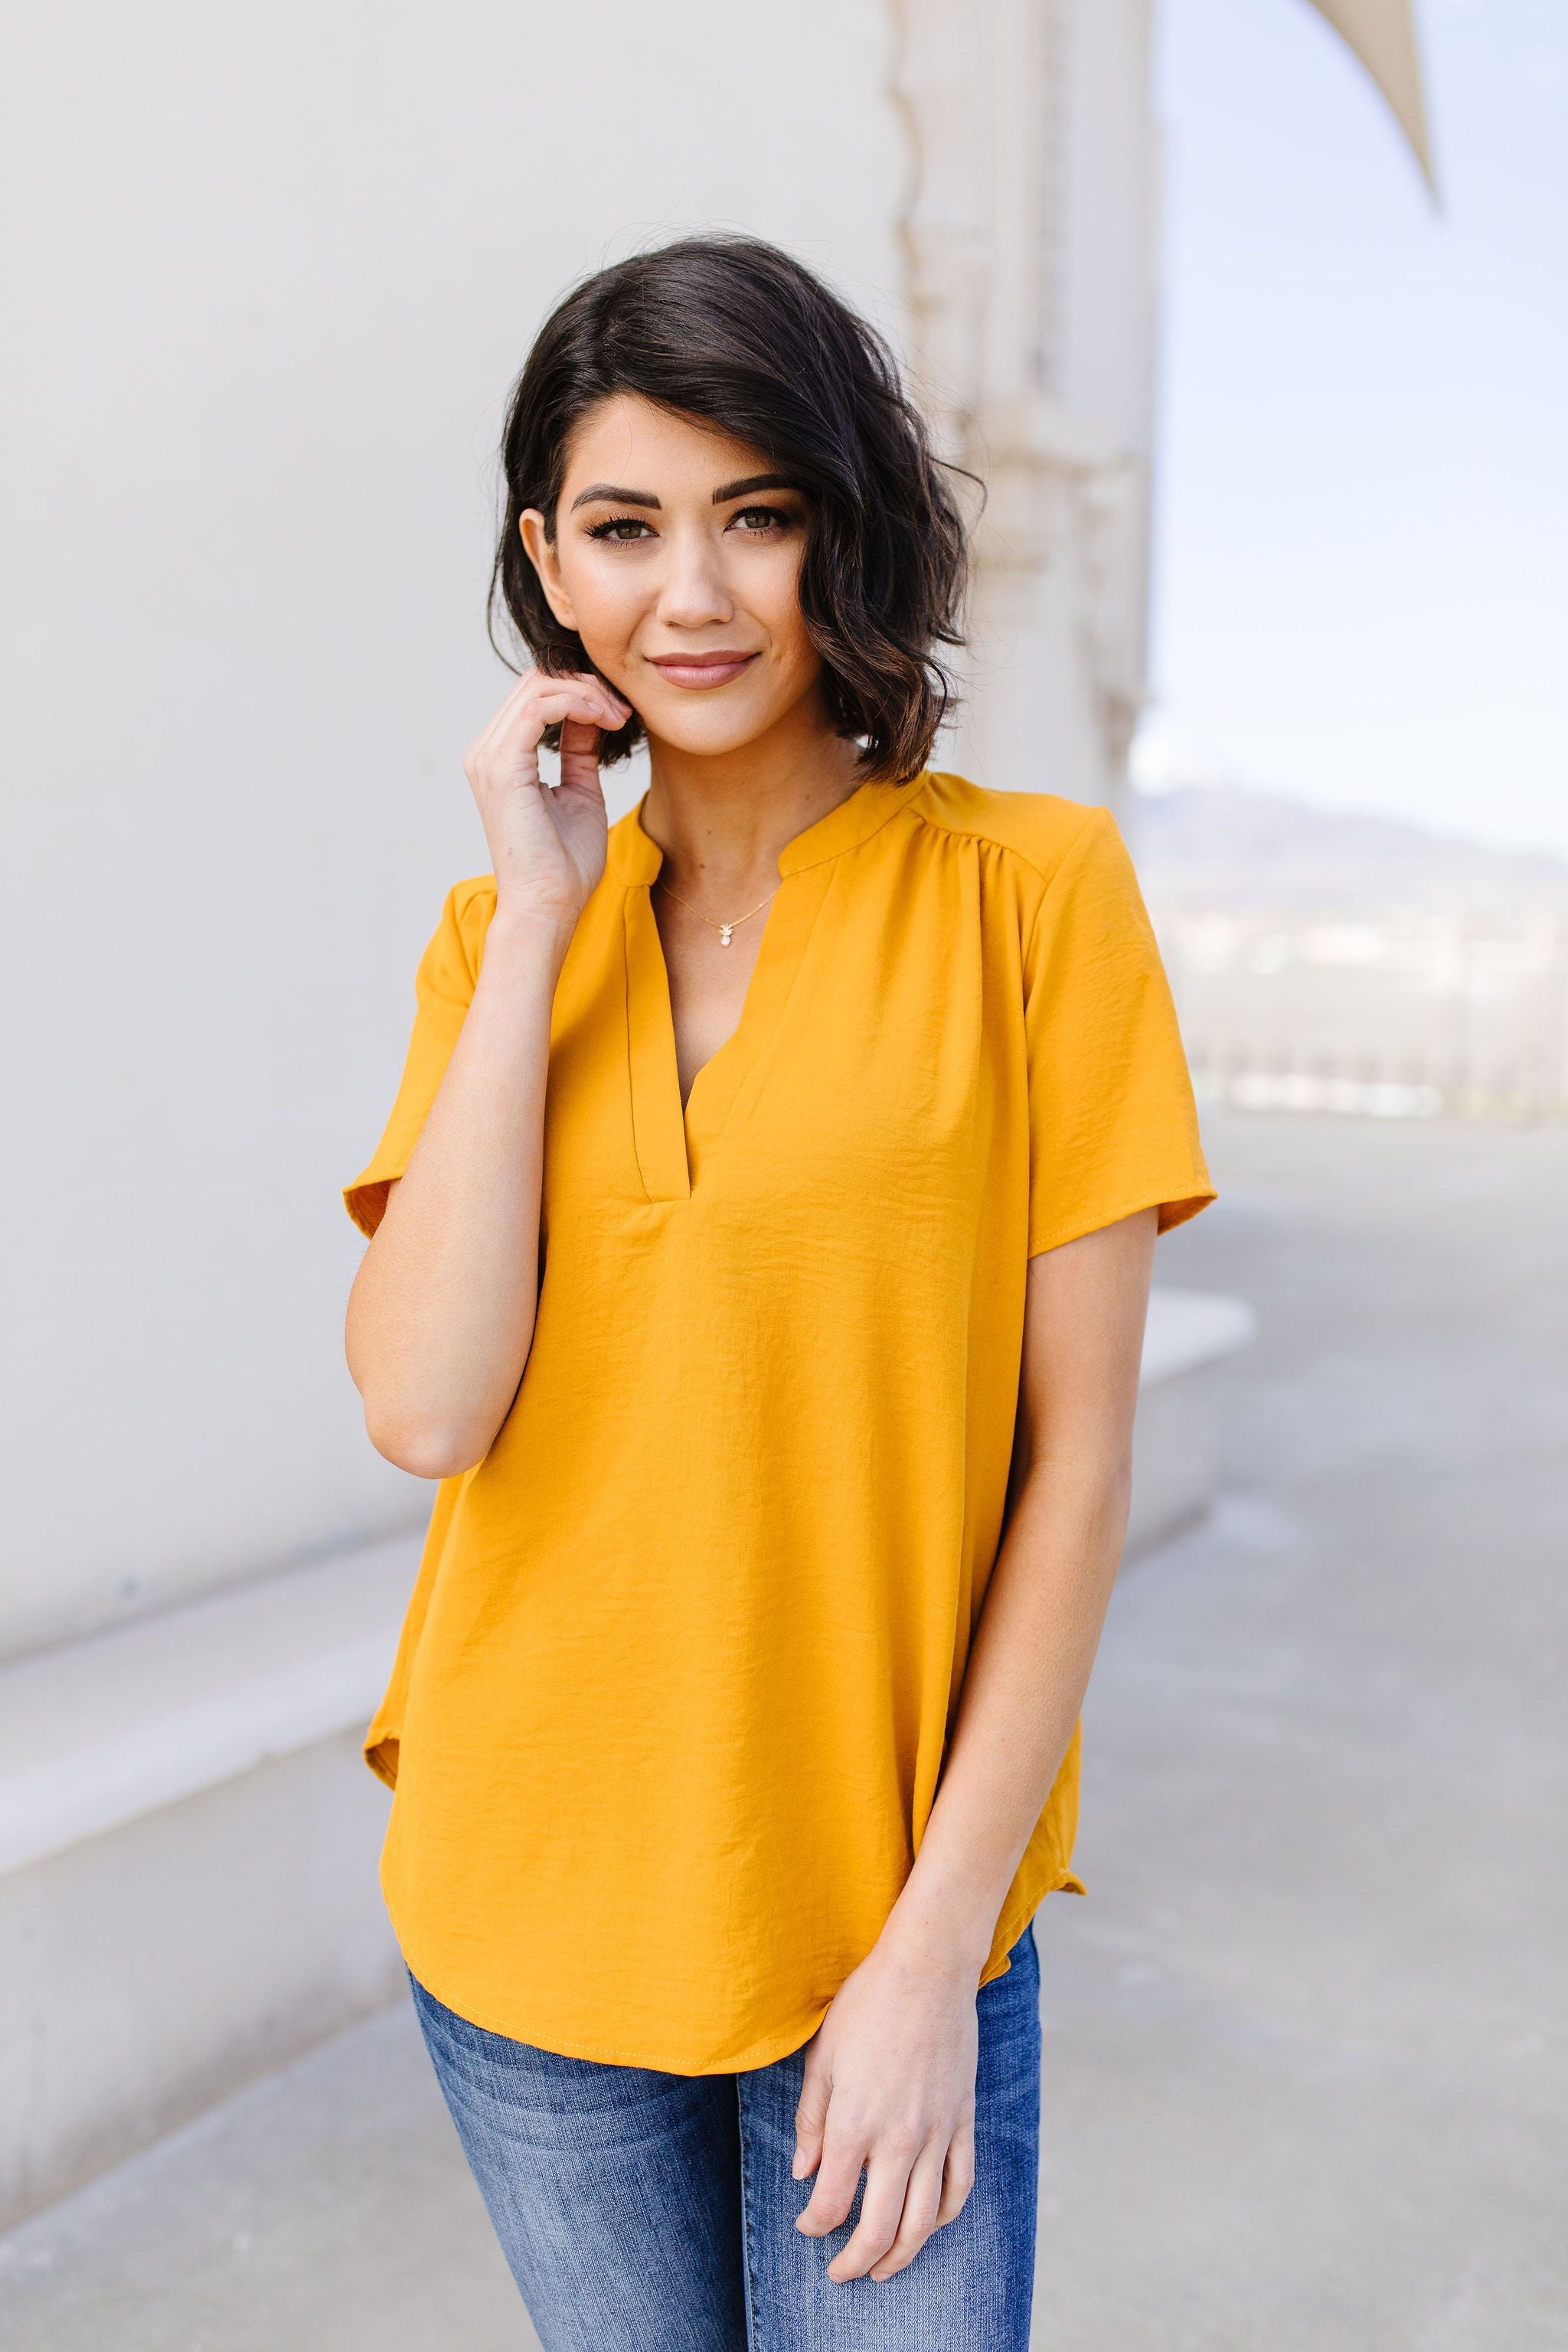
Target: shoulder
(1040,830)
(472,901)
(450,962)
(469,905)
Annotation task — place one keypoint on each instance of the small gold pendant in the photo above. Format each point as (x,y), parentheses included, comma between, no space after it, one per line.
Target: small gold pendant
(725,930)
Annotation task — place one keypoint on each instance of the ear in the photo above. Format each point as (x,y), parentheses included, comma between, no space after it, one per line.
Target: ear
(541,552)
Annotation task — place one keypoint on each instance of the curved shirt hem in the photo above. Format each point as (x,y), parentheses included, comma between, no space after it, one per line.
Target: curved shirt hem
(766,2053)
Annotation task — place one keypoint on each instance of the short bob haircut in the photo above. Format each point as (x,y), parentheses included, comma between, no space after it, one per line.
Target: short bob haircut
(741,337)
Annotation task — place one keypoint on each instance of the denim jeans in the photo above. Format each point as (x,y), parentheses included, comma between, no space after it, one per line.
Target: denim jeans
(642,2212)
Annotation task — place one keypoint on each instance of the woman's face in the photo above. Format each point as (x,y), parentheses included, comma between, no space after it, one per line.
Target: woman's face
(676,560)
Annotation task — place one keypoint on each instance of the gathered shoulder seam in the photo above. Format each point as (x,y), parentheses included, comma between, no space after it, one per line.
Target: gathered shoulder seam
(1092,810)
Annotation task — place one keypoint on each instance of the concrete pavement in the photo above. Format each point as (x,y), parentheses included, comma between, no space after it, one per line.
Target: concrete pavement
(1307,2055)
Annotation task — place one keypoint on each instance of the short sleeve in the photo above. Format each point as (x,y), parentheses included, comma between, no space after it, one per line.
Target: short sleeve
(1113,1125)
(443,989)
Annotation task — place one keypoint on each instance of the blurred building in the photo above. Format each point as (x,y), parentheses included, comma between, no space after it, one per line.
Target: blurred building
(271,276)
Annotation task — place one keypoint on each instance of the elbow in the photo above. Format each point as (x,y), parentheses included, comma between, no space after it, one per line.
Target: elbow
(1094,1487)
(426,1448)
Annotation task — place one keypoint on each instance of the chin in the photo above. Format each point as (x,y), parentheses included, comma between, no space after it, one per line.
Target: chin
(708,734)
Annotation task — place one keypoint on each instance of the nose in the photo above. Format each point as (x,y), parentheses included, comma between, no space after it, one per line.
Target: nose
(692,593)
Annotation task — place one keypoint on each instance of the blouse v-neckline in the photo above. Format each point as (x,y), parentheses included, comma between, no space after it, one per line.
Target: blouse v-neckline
(673,1143)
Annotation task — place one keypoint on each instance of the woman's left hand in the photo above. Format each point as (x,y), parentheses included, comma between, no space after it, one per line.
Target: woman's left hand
(890,2086)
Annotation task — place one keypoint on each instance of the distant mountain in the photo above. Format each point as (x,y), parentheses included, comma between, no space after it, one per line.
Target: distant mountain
(1220,845)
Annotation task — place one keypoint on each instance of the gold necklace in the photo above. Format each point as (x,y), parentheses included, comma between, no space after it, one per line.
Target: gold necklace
(726,930)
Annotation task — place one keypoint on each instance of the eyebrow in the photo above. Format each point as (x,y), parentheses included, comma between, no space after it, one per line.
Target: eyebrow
(611,491)
(753,482)
(614,493)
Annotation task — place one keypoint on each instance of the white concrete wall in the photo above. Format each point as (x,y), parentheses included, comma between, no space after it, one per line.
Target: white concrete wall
(274,271)
(1050,239)
(1108,268)
(148,1973)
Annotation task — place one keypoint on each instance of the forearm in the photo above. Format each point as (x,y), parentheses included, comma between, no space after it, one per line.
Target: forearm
(1023,1691)
(441,1314)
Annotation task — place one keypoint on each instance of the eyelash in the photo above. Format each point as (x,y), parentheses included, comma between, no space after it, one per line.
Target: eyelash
(612,524)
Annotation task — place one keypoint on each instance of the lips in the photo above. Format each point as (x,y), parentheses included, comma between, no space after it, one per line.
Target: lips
(701,670)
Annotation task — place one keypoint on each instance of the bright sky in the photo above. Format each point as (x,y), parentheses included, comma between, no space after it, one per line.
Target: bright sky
(1361,594)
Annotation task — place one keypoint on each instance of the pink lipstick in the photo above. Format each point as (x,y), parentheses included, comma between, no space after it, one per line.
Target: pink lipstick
(701,670)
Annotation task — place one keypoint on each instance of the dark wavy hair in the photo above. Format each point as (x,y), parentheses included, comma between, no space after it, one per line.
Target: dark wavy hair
(734,332)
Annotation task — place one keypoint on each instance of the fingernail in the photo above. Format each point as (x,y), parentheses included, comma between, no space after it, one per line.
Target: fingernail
(798,2166)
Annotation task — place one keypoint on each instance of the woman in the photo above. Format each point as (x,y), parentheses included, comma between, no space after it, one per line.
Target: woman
(761,1243)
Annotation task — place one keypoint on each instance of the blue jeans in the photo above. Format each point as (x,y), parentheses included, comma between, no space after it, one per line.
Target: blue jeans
(642,2212)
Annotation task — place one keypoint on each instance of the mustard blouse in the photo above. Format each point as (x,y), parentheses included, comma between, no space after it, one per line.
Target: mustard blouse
(671,1698)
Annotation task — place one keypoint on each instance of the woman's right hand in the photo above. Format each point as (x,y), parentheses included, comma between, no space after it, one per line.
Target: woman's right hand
(546,843)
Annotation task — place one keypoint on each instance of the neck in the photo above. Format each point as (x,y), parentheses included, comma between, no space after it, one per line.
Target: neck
(723,819)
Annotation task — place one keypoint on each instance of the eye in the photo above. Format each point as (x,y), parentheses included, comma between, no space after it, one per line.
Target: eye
(761,523)
(620,531)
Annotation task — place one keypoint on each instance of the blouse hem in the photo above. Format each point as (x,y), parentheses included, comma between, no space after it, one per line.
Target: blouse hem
(766,2053)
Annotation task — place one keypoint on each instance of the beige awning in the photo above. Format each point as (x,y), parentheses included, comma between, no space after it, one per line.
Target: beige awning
(1383,35)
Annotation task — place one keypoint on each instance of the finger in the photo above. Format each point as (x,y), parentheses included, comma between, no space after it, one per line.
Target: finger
(922,2200)
(620,709)
(579,735)
(541,701)
(501,717)
(589,683)
(561,700)
(881,2209)
(838,2178)
(958,2174)
(598,697)
(605,716)
(605,686)
(581,743)
(535,702)
(810,2118)
(578,744)
(519,740)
